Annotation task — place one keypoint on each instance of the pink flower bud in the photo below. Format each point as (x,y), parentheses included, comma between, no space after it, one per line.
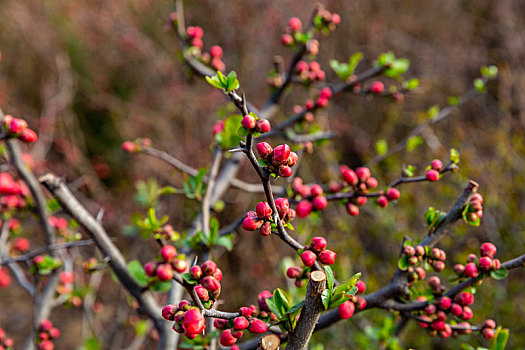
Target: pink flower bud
(352,209)
(489,323)
(168,253)
(437,165)
(327,257)
(216,51)
(264,149)
(304,208)
(240,323)
(220,323)
(251,224)
(263,126)
(295,24)
(21,244)
(164,272)
(287,39)
(326,93)
(281,153)
(363,173)
(292,160)
(318,244)
(465,298)
(308,257)
(467,313)
(487,333)
(266,229)
(377,87)
(382,201)
(168,312)
(130,147)
(17,126)
(285,171)
(320,202)
(196,272)
(371,182)
(471,270)
(456,309)
(432,175)
(488,249)
(294,272)
(248,122)
(392,194)
(180,265)
(316,190)
(193,321)
(150,268)
(258,327)
(346,310)
(202,293)
(361,287)
(444,303)
(261,300)
(210,283)
(485,263)
(263,210)
(336,19)
(282,205)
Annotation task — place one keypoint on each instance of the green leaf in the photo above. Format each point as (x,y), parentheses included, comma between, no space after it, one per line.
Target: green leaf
(432,112)
(295,308)
(281,300)
(354,61)
(232,83)
(413,142)
(397,68)
(411,84)
(345,286)
(381,147)
(159,286)
(479,85)
(385,59)
(454,155)
(325,297)
(214,230)
(262,162)
(91,343)
(329,278)
(409,170)
(403,263)
(137,272)
(225,241)
(430,215)
(337,299)
(141,328)
(490,72)
(273,308)
(453,100)
(500,339)
(229,136)
(167,190)
(352,291)
(499,274)
(216,81)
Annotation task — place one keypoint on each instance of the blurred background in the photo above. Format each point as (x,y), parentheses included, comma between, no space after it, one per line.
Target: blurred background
(88,75)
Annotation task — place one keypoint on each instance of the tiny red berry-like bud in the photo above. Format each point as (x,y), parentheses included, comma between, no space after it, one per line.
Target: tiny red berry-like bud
(326,93)
(261,299)
(438,325)
(308,257)
(237,334)
(437,165)
(421,273)
(420,250)
(282,205)
(164,272)
(430,309)
(446,332)
(220,323)
(292,160)
(54,333)
(316,190)
(320,202)
(309,105)
(168,312)
(168,253)
(360,201)
(209,267)
(459,269)
(263,210)
(466,325)
(258,327)
(363,173)
(360,303)
(304,208)
(46,345)
(315,66)
(382,201)
(129,147)
(371,182)
(245,311)
(346,310)
(471,270)
(196,272)
(434,282)
(432,175)
(488,249)
(472,258)
(424,324)
(285,171)
(350,177)
(263,126)
(202,293)
(295,24)
(251,224)
(266,229)
(286,39)
(17,126)
(294,272)
(281,153)
(377,87)
(322,102)
(438,266)
(487,333)
(456,309)
(361,287)
(264,149)
(216,51)
(150,268)
(392,194)
(193,321)
(28,136)
(467,313)
(248,122)
(477,197)
(465,298)
(409,251)
(352,209)
(210,283)
(489,323)
(444,303)
(21,244)
(336,19)
(327,257)
(180,265)
(485,263)
(318,244)
(240,323)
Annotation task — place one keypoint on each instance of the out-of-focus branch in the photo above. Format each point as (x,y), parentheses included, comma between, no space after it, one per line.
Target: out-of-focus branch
(205,208)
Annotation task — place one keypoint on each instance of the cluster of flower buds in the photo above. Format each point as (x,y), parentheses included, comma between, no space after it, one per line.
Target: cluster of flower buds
(213,58)
(45,334)
(475,266)
(475,208)
(234,329)
(44,264)
(5,279)
(347,308)
(13,193)
(208,277)
(361,182)
(17,128)
(317,249)
(252,123)
(5,342)
(313,197)
(309,73)
(188,319)
(487,330)
(417,255)
(433,172)
(262,219)
(194,36)
(326,21)
(136,146)
(166,232)
(291,32)
(279,160)
(164,270)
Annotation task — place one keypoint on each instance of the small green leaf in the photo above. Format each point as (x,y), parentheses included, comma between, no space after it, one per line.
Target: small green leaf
(91,343)
(137,272)
(160,287)
(167,190)
(281,300)
(381,147)
(409,170)
(225,241)
(433,111)
(479,85)
(354,61)
(141,328)
(403,263)
(329,278)
(262,162)
(345,286)
(430,215)
(411,84)
(454,155)
(499,274)
(500,339)
(325,297)
(413,142)
(232,83)
(273,308)
(295,308)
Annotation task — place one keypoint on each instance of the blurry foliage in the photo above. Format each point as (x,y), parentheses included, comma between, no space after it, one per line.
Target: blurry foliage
(91,74)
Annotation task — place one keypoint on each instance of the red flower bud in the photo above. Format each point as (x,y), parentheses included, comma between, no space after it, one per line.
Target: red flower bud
(320,202)
(465,298)
(202,293)
(263,126)
(193,321)
(346,310)
(294,272)
(216,51)
(287,39)
(283,206)
(180,265)
(308,257)
(371,182)
(240,323)
(21,244)
(292,159)
(392,194)
(168,312)
(488,249)
(266,229)
(485,263)
(361,287)
(437,165)
(382,201)
(327,257)
(248,122)
(377,87)
(196,272)
(285,171)
(456,309)
(295,24)
(168,253)
(471,270)
(352,209)
(281,153)
(489,323)
(363,173)
(258,327)
(210,283)
(264,149)
(467,313)
(164,272)
(349,176)
(245,311)
(444,303)
(432,175)
(28,136)
(304,208)
(261,300)
(318,244)
(17,126)
(326,93)
(251,224)
(129,147)
(220,323)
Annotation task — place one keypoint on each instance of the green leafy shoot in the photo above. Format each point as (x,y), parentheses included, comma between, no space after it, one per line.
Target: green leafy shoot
(226,83)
